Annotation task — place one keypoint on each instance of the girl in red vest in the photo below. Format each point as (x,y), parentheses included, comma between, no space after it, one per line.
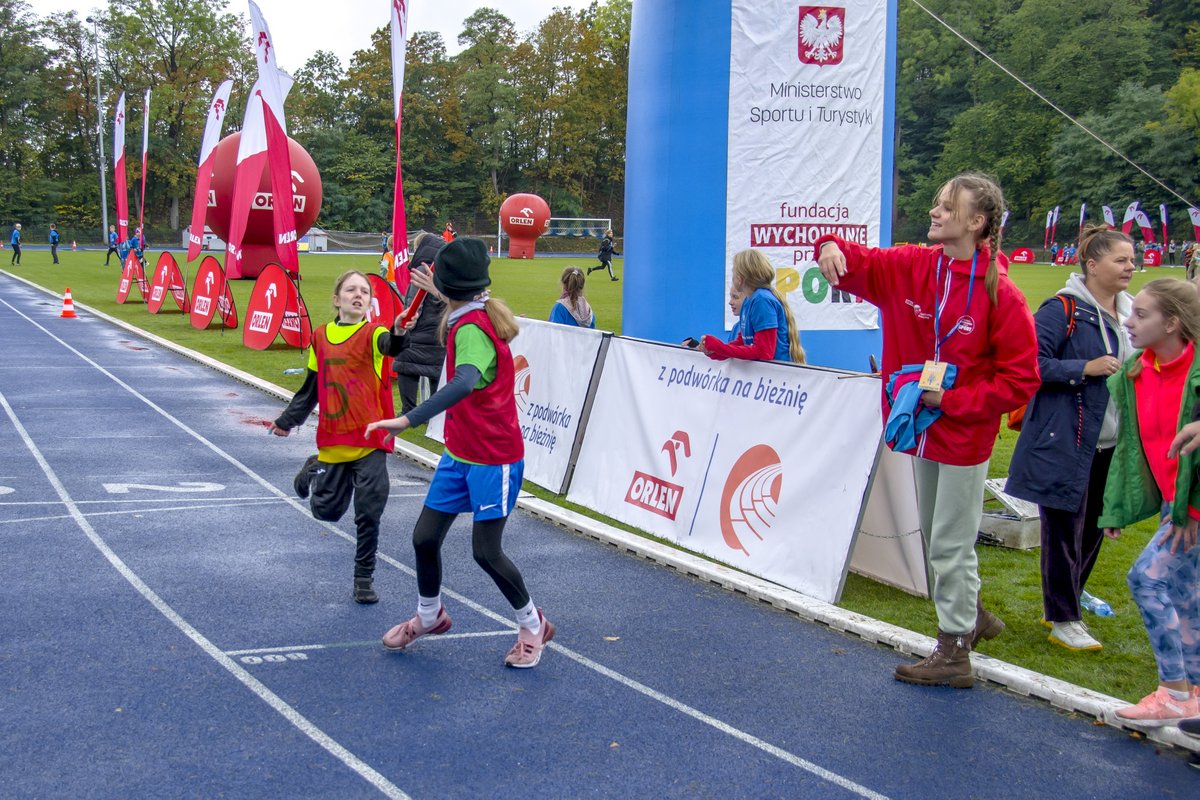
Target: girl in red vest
(348,377)
(481,470)
(950,304)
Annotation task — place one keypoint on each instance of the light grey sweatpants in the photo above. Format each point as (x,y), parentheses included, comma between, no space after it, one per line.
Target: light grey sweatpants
(950,504)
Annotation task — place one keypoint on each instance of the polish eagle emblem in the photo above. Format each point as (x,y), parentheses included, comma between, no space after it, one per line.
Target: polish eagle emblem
(821,35)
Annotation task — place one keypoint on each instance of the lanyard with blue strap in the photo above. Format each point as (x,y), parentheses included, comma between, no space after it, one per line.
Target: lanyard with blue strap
(937,305)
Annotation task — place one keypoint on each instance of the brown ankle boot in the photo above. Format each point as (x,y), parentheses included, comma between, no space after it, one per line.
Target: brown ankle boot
(987,625)
(948,664)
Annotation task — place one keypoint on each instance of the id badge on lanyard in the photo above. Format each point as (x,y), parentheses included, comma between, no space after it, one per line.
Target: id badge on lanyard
(934,373)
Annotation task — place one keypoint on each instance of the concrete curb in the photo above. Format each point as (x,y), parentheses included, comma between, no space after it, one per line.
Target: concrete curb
(1058,693)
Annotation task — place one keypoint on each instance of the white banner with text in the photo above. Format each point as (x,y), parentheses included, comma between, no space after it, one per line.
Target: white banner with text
(553,365)
(763,466)
(806,128)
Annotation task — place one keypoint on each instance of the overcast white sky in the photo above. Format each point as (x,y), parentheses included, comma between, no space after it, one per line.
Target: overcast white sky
(301,27)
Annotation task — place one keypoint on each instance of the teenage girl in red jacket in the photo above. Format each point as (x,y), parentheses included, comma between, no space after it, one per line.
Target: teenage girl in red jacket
(951,303)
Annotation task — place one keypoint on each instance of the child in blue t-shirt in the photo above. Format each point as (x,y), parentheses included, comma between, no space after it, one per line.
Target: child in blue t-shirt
(54,242)
(15,241)
(766,330)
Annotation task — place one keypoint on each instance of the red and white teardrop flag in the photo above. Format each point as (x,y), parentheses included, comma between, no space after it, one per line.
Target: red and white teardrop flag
(1194,213)
(1082,217)
(120,190)
(399,218)
(1054,224)
(1109,219)
(1162,215)
(1143,222)
(212,135)
(1130,214)
(145,153)
(264,139)
(1049,219)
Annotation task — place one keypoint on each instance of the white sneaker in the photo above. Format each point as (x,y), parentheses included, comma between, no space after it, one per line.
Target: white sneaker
(1073,636)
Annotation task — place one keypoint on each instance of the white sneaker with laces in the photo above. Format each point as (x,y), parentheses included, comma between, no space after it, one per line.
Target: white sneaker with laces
(1073,636)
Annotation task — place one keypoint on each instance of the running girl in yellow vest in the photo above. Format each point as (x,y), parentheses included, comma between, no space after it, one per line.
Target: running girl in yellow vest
(483,464)
(347,377)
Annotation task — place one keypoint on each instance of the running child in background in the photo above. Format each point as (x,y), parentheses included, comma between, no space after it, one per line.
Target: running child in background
(1155,393)
(572,307)
(766,330)
(605,255)
(482,467)
(346,376)
(112,244)
(949,305)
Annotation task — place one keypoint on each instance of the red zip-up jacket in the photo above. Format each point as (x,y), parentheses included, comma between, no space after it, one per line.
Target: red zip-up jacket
(994,348)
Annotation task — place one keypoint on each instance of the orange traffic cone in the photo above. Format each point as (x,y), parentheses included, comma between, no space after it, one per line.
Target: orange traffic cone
(68,305)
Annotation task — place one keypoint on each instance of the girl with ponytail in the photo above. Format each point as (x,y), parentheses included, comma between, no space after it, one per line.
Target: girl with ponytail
(951,305)
(766,328)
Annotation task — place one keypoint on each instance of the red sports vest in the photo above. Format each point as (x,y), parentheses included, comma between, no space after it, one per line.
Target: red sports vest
(483,427)
(349,391)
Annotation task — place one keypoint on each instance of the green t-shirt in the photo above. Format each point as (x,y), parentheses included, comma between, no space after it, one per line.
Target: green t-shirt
(472,346)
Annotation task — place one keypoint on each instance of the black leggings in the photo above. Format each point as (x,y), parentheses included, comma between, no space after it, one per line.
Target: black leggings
(16,255)
(428,536)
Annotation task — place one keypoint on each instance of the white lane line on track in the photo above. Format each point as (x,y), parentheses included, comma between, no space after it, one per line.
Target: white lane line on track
(371,643)
(141,511)
(640,688)
(211,501)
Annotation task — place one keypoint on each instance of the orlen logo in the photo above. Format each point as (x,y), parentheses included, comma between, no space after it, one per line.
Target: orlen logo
(654,494)
(751,496)
(201,305)
(522,380)
(526,218)
(822,30)
(260,321)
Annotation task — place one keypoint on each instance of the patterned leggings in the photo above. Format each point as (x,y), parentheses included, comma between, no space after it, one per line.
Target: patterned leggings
(1166,588)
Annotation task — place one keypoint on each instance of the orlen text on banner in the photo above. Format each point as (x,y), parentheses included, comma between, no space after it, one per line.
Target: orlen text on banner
(806,128)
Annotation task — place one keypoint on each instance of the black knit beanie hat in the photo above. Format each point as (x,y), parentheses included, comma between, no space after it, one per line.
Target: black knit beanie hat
(460,269)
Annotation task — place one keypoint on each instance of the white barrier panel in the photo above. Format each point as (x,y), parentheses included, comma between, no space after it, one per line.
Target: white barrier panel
(889,547)
(554,365)
(762,466)
(807,124)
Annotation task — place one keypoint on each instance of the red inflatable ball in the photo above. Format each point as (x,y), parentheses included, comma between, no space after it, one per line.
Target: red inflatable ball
(258,243)
(524,217)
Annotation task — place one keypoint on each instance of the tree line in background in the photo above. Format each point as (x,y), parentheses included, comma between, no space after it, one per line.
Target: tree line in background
(545,111)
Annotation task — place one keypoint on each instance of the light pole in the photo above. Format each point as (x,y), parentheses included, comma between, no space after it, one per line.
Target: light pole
(100,132)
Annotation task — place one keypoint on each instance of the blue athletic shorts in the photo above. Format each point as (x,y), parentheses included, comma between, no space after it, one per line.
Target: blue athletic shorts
(488,491)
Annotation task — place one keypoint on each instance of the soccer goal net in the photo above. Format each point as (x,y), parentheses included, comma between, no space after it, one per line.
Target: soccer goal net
(573,227)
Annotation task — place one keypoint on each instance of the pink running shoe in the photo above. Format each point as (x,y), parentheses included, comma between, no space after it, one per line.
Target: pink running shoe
(406,633)
(1159,708)
(527,652)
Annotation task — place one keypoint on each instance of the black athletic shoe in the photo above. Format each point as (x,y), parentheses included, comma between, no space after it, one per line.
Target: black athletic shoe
(615,278)
(363,592)
(304,477)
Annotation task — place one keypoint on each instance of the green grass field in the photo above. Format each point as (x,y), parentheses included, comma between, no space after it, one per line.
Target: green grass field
(1125,668)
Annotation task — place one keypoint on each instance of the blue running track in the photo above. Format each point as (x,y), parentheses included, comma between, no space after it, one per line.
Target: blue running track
(177,625)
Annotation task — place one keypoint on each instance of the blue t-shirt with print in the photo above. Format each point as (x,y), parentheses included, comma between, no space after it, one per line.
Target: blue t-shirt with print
(762,311)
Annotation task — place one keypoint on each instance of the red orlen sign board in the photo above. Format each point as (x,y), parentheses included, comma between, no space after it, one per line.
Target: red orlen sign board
(264,312)
(210,295)
(131,272)
(296,329)
(385,302)
(1022,255)
(167,280)
(1153,258)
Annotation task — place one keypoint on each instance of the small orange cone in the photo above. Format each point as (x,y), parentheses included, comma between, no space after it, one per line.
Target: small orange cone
(68,305)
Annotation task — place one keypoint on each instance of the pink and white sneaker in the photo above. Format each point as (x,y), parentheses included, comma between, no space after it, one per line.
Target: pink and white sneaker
(527,652)
(1159,708)
(406,633)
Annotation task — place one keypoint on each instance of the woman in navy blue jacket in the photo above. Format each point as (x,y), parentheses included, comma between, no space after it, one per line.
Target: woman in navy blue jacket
(1070,429)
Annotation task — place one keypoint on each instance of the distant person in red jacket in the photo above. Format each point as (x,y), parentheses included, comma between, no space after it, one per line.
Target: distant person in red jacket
(449,235)
(950,304)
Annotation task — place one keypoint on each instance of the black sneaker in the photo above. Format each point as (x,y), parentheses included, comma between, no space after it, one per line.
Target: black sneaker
(615,278)
(1190,726)
(304,477)
(364,593)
